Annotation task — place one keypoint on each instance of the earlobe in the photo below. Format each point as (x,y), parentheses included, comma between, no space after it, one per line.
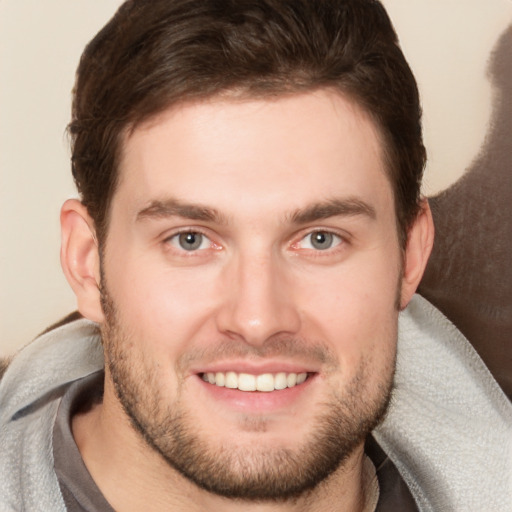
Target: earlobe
(419,246)
(80,258)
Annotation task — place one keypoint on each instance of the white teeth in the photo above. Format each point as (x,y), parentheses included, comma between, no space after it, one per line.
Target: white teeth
(291,379)
(220,379)
(231,380)
(280,381)
(246,382)
(301,377)
(265,382)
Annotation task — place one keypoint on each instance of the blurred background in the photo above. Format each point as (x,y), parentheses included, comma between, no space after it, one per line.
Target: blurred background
(448,44)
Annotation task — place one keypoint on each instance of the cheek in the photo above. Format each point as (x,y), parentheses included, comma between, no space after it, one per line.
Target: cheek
(161,305)
(354,310)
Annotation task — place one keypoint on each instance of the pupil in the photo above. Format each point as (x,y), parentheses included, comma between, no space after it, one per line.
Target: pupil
(322,240)
(190,241)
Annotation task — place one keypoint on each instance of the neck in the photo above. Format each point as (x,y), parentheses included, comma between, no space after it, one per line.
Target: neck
(127,470)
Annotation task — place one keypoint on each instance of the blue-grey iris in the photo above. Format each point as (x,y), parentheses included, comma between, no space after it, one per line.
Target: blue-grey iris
(190,241)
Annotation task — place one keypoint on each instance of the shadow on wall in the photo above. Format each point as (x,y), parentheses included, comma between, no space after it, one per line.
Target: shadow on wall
(469,276)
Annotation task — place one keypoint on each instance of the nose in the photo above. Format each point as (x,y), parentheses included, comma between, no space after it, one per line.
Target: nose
(258,300)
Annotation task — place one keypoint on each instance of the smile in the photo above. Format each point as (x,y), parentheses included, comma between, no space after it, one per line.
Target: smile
(247,382)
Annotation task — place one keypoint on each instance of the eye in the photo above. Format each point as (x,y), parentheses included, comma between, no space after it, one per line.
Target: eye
(320,241)
(190,241)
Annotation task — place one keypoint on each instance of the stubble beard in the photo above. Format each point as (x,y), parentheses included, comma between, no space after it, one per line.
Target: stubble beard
(251,474)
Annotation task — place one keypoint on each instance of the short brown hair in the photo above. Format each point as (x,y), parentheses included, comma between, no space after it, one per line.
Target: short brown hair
(156,53)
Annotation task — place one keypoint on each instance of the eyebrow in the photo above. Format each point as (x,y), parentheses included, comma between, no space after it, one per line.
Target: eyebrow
(160,209)
(347,207)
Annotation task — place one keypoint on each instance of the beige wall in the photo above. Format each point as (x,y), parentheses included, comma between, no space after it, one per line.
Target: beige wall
(447,42)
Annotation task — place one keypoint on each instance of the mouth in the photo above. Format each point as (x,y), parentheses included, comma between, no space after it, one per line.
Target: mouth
(265,382)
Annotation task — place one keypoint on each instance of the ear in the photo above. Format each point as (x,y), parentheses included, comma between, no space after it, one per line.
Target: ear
(80,259)
(420,240)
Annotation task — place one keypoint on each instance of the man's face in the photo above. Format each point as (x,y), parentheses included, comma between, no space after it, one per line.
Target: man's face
(253,244)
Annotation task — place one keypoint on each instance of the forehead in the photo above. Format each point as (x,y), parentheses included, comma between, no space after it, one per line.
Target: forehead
(277,152)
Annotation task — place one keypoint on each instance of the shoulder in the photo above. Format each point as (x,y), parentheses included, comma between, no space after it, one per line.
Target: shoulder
(75,315)
(31,389)
(447,413)
(55,358)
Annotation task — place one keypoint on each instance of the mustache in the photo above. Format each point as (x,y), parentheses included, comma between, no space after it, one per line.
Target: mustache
(282,347)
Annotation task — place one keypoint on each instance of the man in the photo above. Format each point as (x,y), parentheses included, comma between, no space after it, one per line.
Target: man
(250,226)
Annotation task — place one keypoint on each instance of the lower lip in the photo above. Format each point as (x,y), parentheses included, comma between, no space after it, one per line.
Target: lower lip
(257,401)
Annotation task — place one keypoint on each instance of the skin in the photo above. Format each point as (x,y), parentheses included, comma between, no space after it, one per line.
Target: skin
(256,296)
